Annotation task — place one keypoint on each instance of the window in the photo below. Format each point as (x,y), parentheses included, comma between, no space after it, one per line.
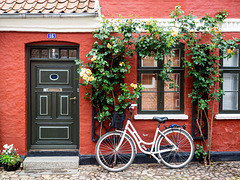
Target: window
(231,74)
(39,52)
(158,98)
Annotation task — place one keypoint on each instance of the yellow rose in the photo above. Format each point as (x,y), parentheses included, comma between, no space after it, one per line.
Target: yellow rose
(149,23)
(91,78)
(229,51)
(88,72)
(216,33)
(94,58)
(85,77)
(121,63)
(109,45)
(133,85)
(174,33)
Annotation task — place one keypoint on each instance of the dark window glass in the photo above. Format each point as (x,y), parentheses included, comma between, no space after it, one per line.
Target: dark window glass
(54,53)
(72,53)
(64,53)
(230,73)
(158,97)
(35,53)
(44,53)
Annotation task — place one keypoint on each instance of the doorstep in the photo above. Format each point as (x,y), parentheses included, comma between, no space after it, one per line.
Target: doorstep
(52,152)
(51,163)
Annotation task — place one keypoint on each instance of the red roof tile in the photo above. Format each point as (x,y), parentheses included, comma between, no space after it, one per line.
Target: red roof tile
(46,6)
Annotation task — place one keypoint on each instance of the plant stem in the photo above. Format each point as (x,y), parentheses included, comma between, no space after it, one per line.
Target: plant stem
(211,128)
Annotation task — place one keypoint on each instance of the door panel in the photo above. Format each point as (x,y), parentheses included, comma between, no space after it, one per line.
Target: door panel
(54,105)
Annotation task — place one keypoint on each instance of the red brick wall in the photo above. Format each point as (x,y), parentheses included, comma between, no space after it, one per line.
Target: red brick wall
(13,104)
(13,87)
(161,9)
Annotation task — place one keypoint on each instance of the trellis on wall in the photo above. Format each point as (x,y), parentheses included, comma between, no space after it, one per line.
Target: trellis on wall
(99,128)
(96,126)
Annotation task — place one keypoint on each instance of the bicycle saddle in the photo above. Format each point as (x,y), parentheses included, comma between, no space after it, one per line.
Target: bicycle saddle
(160,119)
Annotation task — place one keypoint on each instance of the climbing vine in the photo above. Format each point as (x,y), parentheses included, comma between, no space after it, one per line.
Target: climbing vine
(116,44)
(117,41)
(204,40)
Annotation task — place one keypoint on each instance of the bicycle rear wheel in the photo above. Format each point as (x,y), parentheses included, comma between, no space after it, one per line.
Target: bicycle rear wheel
(108,157)
(181,156)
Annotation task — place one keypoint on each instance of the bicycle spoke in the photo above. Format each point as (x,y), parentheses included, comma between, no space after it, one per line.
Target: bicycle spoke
(108,157)
(179,157)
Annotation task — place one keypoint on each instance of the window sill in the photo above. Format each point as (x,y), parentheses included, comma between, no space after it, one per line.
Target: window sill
(227,116)
(169,116)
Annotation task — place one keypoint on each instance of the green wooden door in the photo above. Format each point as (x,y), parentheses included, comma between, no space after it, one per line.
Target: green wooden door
(53,104)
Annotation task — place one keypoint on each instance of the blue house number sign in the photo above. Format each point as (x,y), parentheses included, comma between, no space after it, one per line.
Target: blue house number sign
(51,36)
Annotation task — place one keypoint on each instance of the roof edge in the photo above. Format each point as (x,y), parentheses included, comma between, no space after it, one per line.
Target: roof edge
(49,15)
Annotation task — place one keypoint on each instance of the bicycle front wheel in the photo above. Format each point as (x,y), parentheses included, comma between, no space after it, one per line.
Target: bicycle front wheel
(108,157)
(181,155)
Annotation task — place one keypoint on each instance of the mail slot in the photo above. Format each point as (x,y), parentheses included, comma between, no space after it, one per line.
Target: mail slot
(52,89)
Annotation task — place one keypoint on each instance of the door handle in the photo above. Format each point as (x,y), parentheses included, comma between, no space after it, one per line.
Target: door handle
(74,98)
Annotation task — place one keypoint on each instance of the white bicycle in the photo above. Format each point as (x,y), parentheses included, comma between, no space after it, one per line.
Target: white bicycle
(116,150)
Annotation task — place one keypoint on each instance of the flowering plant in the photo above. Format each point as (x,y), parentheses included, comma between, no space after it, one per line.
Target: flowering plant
(103,75)
(10,155)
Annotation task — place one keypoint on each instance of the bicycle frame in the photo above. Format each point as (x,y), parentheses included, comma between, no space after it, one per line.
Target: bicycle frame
(130,128)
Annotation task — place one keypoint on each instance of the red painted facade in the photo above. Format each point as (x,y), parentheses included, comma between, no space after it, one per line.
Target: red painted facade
(13,76)
(161,9)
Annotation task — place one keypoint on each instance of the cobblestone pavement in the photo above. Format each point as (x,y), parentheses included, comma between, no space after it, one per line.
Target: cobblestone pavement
(218,171)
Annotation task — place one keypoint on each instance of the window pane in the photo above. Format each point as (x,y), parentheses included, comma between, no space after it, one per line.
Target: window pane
(174,58)
(63,53)
(230,101)
(171,101)
(54,53)
(72,53)
(149,101)
(35,53)
(149,81)
(148,62)
(230,81)
(176,79)
(44,53)
(233,61)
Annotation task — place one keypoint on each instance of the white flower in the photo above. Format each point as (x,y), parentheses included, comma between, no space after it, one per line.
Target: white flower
(83,71)
(6,146)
